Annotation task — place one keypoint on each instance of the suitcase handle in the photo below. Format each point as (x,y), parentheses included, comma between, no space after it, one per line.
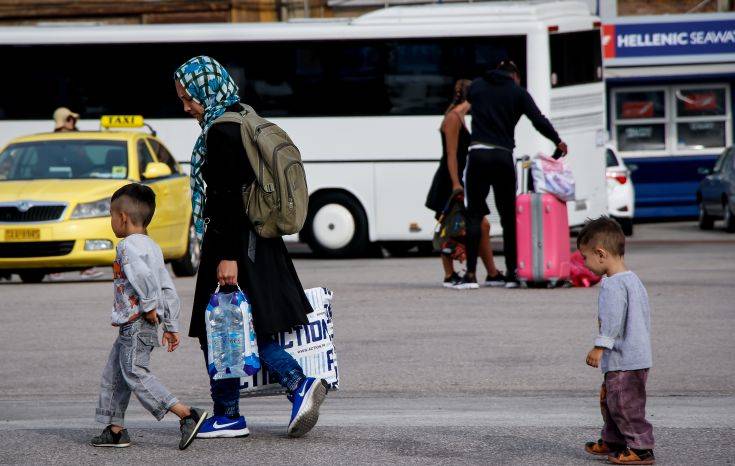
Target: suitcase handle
(523,170)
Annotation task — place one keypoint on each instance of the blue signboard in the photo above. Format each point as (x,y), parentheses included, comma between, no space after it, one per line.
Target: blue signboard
(667,39)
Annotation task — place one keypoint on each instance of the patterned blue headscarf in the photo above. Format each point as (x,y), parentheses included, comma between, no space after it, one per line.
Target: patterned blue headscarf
(210,85)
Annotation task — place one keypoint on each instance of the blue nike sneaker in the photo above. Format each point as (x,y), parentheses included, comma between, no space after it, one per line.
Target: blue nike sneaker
(306,401)
(224,427)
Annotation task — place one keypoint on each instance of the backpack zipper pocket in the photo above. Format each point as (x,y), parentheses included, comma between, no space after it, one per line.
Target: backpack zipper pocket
(289,188)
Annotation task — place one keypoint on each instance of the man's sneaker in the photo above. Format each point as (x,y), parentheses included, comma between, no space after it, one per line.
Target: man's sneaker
(110,439)
(190,426)
(601,448)
(496,281)
(306,401)
(451,280)
(632,456)
(466,283)
(224,427)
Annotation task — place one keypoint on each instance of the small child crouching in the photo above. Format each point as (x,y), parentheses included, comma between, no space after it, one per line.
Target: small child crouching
(622,348)
(144,296)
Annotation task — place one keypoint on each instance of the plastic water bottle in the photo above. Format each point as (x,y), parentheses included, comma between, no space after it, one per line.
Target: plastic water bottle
(218,338)
(235,332)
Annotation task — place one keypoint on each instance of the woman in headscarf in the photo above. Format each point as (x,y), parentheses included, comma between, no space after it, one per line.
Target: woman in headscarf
(233,254)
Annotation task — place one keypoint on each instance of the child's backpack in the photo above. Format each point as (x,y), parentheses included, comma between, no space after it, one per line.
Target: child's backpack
(278,201)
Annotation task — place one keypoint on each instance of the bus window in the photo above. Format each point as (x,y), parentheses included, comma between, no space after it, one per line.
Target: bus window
(576,58)
(318,78)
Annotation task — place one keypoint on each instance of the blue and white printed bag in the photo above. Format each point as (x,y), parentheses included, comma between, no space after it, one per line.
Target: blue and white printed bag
(231,342)
(312,345)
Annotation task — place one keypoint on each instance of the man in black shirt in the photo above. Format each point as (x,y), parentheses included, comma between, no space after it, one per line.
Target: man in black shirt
(498,102)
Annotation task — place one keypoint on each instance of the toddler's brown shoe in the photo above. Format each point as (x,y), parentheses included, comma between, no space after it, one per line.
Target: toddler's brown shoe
(632,456)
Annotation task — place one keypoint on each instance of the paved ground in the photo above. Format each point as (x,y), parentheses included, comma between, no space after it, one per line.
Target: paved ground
(429,375)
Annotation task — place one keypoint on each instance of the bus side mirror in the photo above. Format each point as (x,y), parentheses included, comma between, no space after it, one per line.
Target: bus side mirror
(704,171)
(156,170)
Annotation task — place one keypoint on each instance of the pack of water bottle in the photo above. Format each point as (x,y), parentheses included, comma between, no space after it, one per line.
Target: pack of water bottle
(231,340)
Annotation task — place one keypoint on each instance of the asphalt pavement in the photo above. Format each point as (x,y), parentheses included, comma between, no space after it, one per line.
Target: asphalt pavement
(429,375)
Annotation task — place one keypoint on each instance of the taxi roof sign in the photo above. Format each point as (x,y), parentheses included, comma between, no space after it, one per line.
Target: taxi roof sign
(122,121)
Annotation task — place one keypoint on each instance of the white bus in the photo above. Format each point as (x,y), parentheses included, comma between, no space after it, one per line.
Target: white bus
(363,99)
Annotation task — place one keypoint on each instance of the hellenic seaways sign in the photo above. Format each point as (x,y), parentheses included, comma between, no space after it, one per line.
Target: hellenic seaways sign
(669,38)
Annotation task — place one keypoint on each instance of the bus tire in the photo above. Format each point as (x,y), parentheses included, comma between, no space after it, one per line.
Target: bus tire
(32,276)
(336,226)
(706,221)
(188,265)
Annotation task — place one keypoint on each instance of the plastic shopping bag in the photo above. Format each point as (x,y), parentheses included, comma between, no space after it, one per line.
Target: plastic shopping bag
(312,345)
(580,275)
(554,177)
(231,343)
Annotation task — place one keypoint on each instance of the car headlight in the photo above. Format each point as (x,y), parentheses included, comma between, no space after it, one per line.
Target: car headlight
(99,208)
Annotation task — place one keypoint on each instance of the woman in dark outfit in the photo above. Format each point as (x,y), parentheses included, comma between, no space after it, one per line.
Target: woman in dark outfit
(448,179)
(233,254)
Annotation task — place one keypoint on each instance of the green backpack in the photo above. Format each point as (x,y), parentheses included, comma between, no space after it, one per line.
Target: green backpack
(278,201)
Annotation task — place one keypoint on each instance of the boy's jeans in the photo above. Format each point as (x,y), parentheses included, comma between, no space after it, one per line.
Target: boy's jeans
(127,372)
(280,364)
(623,405)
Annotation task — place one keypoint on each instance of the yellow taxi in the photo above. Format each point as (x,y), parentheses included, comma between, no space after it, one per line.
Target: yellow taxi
(55,193)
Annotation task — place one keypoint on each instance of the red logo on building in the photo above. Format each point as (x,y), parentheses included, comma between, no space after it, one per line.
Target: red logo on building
(608,40)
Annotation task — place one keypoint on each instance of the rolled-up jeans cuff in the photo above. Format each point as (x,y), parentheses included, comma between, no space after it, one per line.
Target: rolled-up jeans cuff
(109,417)
(159,413)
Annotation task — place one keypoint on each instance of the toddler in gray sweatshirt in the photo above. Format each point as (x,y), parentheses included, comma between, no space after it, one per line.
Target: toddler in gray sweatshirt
(622,347)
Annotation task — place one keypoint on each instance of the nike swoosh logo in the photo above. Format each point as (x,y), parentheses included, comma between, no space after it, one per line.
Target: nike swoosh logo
(219,426)
(303,390)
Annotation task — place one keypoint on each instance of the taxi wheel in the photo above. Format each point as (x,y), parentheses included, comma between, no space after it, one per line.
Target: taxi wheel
(32,276)
(188,265)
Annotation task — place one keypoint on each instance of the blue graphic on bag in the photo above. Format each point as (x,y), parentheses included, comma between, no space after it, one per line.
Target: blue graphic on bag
(311,345)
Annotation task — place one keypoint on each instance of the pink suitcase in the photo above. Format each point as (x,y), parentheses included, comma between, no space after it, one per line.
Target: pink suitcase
(542,239)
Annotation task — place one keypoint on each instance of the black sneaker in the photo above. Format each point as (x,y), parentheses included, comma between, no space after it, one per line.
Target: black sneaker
(108,438)
(190,426)
(451,280)
(496,281)
(511,281)
(466,283)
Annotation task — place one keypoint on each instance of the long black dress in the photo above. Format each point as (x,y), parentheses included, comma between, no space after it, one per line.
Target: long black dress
(265,270)
(441,186)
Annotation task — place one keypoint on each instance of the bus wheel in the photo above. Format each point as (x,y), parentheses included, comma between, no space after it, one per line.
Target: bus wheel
(336,226)
(706,221)
(188,265)
(32,276)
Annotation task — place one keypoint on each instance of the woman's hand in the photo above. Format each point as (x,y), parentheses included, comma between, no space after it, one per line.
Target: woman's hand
(227,273)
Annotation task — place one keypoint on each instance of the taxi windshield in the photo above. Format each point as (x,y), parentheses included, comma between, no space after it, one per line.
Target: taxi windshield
(64,159)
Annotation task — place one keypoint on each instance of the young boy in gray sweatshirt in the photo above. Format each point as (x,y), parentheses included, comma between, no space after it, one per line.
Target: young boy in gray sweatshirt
(144,296)
(622,348)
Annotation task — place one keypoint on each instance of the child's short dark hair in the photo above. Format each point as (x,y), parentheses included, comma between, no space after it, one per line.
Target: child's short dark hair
(605,232)
(141,205)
